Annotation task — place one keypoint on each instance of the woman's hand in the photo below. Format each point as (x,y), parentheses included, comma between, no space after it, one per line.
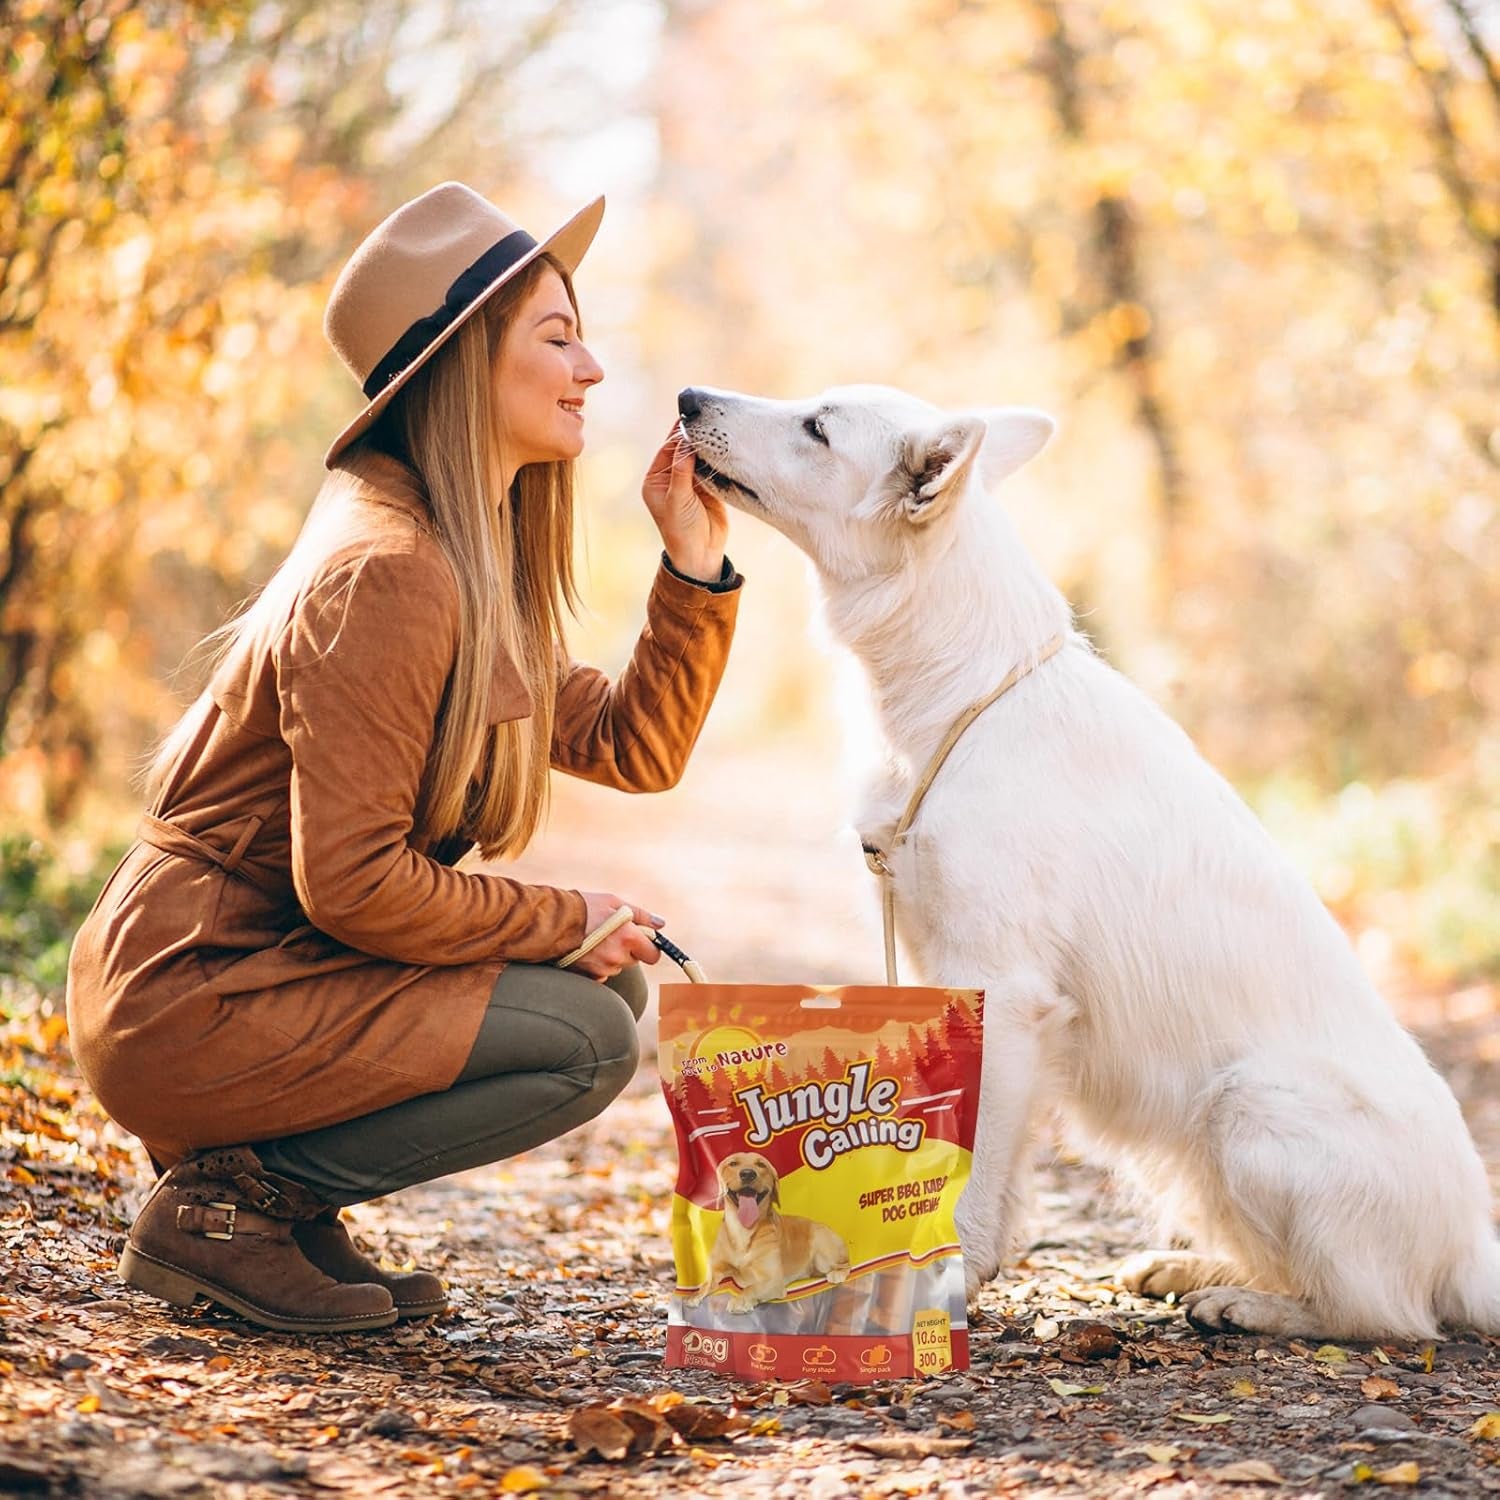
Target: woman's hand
(627,945)
(692,519)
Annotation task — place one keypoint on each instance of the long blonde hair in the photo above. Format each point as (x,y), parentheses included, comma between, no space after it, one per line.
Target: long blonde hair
(512,557)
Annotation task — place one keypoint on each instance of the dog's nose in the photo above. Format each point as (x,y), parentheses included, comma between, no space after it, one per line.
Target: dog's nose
(747,1174)
(688,404)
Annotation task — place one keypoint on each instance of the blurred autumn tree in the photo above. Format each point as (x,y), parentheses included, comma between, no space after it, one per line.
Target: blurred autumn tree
(1248,254)
(178,182)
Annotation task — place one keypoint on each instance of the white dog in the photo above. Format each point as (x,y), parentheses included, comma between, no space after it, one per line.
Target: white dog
(1150,959)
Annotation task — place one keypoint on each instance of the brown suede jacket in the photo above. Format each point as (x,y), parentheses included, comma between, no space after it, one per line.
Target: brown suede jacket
(285,946)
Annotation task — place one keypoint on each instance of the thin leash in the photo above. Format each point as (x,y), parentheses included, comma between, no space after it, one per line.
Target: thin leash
(875,857)
(617,919)
(878,859)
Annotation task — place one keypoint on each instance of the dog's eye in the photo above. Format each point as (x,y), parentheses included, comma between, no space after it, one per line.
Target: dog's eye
(813,428)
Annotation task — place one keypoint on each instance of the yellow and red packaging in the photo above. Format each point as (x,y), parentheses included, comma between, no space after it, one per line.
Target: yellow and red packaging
(824,1136)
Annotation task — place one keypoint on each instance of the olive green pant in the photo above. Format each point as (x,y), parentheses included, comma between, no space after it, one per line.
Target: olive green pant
(552,1050)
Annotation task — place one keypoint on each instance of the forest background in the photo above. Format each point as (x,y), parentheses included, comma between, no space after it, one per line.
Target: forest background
(1248,255)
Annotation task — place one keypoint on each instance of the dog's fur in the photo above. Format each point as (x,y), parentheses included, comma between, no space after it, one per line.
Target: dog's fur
(776,1250)
(1150,959)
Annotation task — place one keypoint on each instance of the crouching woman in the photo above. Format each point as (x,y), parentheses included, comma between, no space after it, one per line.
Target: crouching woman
(286,989)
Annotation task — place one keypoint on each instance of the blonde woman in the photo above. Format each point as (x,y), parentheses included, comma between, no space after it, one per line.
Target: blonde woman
(286,990)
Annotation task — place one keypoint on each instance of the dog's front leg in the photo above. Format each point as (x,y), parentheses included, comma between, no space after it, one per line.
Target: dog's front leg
(1024,1022)
(717,1271)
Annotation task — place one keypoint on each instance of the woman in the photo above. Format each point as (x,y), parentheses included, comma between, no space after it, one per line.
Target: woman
(285,989)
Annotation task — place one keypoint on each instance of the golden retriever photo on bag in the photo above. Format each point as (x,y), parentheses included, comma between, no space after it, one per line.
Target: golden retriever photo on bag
(762,1249)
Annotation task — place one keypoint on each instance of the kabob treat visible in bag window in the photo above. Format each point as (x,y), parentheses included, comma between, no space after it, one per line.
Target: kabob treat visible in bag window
(823,1139)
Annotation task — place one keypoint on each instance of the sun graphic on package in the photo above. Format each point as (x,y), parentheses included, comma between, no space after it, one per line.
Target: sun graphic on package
(738,1048)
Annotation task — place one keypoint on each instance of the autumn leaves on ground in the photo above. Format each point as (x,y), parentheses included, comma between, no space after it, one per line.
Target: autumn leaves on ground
(546,1374)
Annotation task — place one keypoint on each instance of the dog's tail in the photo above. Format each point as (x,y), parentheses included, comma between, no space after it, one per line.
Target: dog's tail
(1473,1300)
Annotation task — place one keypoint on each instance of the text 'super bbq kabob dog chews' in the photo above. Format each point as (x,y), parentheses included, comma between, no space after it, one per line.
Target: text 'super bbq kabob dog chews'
(823,1140)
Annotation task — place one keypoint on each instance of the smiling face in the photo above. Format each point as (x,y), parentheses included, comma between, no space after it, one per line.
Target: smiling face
(748,1182)
(542,372)
(859,477)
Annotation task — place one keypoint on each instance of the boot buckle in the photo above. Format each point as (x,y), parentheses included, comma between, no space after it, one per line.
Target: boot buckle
(227,1233)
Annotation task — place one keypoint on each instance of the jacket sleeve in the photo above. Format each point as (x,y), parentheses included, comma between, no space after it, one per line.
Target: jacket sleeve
(361,670)
(636,734)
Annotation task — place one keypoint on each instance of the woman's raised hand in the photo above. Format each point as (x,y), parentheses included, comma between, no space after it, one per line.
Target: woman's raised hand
(692,519)
(626,945)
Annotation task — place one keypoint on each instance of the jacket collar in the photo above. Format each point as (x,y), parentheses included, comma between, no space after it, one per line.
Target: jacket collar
(388,481)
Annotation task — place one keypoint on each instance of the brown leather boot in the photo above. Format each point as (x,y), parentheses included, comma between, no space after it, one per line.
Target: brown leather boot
(219,1225)
(325,1242)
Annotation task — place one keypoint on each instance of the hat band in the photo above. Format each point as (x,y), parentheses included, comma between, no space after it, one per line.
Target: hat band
(467,285)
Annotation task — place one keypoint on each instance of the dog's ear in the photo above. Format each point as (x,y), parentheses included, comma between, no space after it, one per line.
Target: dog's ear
(935,465)
(1014,435)
(775,1184)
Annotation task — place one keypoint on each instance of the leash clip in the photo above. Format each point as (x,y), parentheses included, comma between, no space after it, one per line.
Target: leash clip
(876,860)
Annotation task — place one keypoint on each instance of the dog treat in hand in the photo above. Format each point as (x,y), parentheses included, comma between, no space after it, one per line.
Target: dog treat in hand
(823,1139)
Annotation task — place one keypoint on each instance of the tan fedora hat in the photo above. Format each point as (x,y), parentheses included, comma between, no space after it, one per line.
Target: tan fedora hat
(418,274)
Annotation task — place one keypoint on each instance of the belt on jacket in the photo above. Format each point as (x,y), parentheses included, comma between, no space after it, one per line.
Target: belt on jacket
(172,838)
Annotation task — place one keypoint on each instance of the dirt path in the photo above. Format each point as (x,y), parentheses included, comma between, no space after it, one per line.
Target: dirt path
(558,1264)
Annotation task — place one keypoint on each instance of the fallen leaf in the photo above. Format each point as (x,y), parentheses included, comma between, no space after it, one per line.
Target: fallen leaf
(179,1347)
(959,1421)
(1161,1453)
(1488,1427)
(523,1480)
(697,1423)
(1089,1341)
(1212,1420)
(651,1431)
(1062,1388)
(1379,1388)
(1044,1330)
(88,1405)
(1401,1474)
(1331,1354)
(1428,1354)
(808,1393)
(1242,1388)
(912,1445)
(1247,1471)
(596,1429)
(1142,1479)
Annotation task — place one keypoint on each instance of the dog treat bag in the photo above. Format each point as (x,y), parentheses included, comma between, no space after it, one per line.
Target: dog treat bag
(823,1139)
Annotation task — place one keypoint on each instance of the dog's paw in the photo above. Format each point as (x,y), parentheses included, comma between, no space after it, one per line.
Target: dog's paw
(1240,1309)
(836,1275)
(975,1281)
(1165,1273)
(741,1304)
